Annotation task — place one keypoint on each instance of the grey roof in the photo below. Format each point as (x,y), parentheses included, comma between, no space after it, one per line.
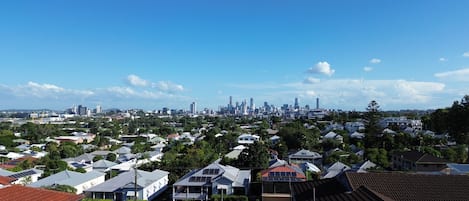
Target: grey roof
(5,173)
(234,154)
(67,177)
(100,153)
(229,172)
(456,168)
(305,154)
(144,179)
(103,164)
(84,157)
(336,169)
(123,150)
(277,162)
(365,166)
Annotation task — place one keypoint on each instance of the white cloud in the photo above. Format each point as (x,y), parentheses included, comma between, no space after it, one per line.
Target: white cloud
(310,93)
(367,68)
(137,81)
(168,86)
(442,59)
(356,93)
(311,80)
(461,75)
(375,61)
(322,67)
(465,54)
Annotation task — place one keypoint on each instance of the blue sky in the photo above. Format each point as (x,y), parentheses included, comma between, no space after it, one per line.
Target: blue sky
(152,54)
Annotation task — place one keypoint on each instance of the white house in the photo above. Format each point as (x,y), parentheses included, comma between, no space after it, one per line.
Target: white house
(248,138)
(213,179)
(79,181)
(334,136)
(354,126)
(122,187)
(22,177)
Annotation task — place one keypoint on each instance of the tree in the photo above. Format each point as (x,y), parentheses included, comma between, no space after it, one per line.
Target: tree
(97,158)
(372,117)
(256,156)
(378,156)
(111,157)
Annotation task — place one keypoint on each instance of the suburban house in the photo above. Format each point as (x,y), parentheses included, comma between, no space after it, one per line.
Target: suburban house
(304,155)
(282,173)
(122,187)
(417,161)
(248,138)
(357,135)
(354,126)
(350,186)
(334,136)
(103,165)
(277,178)
(26,176)
(335,169)
(400,122)
(13,163)
(213,179)
(234,154)
(364,167)
(77,180)
(77,138)
(18,192)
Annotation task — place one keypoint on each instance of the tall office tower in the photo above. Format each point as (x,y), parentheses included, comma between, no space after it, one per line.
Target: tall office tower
(231,102)
(75,109)
(297,105)
(251,104)
(99,109)
(245,107)
(82,110)
(193,108)
(317,103)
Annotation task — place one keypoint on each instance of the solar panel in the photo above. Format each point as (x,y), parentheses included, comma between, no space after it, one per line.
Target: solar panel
(199,179)
(211,171)
(23,174)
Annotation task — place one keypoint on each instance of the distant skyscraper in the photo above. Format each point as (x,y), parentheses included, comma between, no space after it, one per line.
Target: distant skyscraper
(317,103)
(82,111)
(193,108)
(297,105)
(245,107)
(231,102)
(251,104)
(99,109)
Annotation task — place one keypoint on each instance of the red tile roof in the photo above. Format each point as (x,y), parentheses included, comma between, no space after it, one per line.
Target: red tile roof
(6,180)
(284,168)
(16,192)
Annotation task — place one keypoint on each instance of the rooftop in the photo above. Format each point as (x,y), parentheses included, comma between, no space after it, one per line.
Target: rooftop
(16,192)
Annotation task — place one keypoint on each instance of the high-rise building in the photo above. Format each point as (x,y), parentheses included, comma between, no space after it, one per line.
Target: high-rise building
(297,105)
(193,108)
(99,109)
(317,103)
(82,111)
(251,104)
(244,107)
(230,105)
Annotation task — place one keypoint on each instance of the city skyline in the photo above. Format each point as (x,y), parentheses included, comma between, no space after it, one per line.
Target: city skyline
(152,54)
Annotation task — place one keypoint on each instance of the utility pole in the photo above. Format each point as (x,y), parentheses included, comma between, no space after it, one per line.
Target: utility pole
(135,181)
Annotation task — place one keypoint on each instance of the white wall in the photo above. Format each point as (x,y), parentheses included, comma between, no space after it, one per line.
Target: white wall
(155,187)
(84,186)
